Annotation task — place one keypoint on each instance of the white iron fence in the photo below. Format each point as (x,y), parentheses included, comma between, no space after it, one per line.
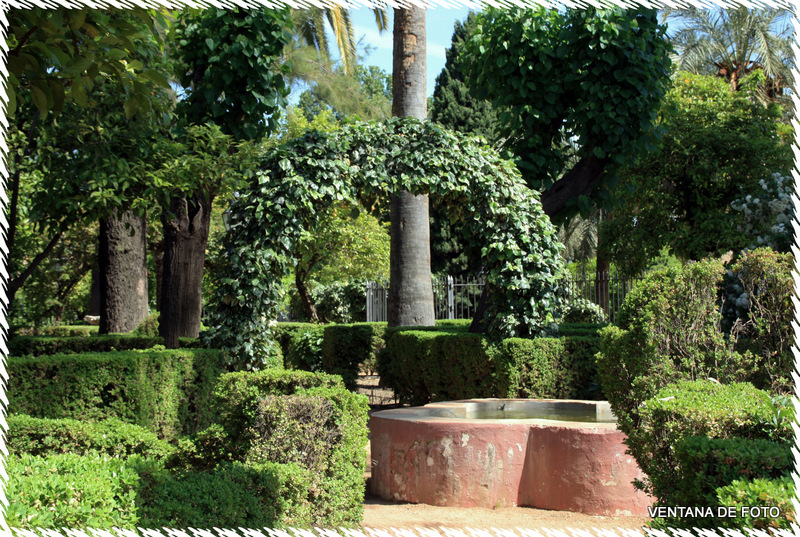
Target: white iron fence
(457,298)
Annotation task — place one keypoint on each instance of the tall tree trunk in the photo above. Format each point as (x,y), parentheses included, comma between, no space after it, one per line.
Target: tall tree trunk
(185,240)
(123,272)
(410,288)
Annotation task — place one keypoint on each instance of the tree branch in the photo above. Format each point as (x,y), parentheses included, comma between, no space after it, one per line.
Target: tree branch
(581,179)
(15,283)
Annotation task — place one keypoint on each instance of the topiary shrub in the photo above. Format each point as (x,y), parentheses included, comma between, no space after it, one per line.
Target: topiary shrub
(230,495)
(757,502)
(149,326)
(582,310)
(689,409)
(35,346)
(110,437)
(69,331)
(71,491)
(348,346)
(305,349)
(668,330)
(165,391)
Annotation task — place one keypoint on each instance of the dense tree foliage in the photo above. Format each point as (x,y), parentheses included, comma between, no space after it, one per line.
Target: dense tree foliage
(453,105)
(588,76)
(717,147)
(366,94)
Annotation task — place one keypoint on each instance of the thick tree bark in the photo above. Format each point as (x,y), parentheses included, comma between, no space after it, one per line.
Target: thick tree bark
(123,273)
(185,240)
(410,288)
(94,293)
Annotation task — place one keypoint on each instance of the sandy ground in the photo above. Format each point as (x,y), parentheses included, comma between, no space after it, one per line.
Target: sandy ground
(383,515)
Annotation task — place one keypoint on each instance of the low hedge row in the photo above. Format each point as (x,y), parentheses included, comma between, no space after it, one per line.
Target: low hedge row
(286,448)
(435,365)
(165,391)
(69,490)
(110,437)
(35,346)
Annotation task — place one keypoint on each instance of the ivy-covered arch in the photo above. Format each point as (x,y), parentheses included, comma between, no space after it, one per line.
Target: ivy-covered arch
(498,214)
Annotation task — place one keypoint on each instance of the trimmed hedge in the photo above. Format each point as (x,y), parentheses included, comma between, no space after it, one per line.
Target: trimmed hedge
(434,365)
(70,331)
(110,437)
(710,463)
(36,346)
(68,490)
(698,408)
(778,493)
(231,495)
(165,391)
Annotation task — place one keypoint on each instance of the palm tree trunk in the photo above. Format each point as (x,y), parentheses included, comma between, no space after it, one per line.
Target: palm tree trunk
(410,289)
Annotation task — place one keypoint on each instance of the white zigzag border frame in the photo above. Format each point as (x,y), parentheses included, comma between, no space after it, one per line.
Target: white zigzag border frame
(371,532)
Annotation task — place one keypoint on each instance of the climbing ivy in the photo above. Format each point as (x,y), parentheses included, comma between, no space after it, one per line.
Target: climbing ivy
(497,213)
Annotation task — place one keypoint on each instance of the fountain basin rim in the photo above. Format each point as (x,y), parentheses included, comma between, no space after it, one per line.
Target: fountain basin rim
(458,412)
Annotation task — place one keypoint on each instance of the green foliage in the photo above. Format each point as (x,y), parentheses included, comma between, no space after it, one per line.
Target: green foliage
(668,329)
(717,146)
(71,491)
(758,310)
(692,408)
(149,326)
(231,69)
(342,302)
(453,106)
(347,346)
(707,464)
(366,94)
(57,54)
(582,310)
(34,346)
(230,495)
(110,437)
(69,331)
(237,395)
(499,215)
(591,76)
(166,392)
(437,365)
(779,493)
(305,350)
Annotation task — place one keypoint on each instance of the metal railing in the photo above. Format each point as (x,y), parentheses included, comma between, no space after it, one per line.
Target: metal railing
(457,298)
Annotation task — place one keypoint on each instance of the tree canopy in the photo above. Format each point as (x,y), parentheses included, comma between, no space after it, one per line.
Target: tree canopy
(717,147)
(588,78)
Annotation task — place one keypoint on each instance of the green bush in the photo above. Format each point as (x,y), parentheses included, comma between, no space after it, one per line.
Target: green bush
(581,329)
(230,495)
(347,346)
(707,464)
(305,349)
(165,391)
(110,437)
(435,365)
(668,330)
(73,491)
(149,326)
(69,331)
(582,310)
(778,493)
(693,408)
(35,346)
(759,311)
(551,368)
(237,395)
(324,430)
(341,302)
(92,492)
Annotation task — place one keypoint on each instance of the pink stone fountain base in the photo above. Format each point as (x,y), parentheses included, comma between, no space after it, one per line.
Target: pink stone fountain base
(440,455)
